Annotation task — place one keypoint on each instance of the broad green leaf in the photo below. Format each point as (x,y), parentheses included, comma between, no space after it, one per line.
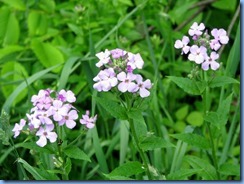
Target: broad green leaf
(37,23)
(230,169)
(114,108)
(124,140)
(213,118)
(47,54)
(10,49)
(225,4)
(207,172)
(47,5)
(31,170)
(128,169)
(188,85)
(76,153)
(18,4)
(182,174)
(182,112)
(193,139)
(152,142)
(36,148)
(195,118)
(222,80)
(139,122)
(13,71)
(22,86)
(9,32)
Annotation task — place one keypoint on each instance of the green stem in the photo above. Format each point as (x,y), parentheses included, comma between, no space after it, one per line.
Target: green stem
(206,105)
(142,154)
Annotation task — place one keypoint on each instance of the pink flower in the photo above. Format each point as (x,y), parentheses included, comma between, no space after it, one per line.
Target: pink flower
(44,117)
(142,86)
(18,127)
(105,80)
(33,120)
(214,44)
(68,96)
(220,35)
(196,29)
(126,82)
(58,110)
(211,61)
(197,54)
(46,133)
(135,61)
(183,44)
(104,58)
(69,119)
(89,122)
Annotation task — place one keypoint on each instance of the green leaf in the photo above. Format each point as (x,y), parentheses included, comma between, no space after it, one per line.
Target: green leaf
(47,54)
(225,4)
(37,23)
(230,169)
(10,49)
(195,118)
(128,169)
(116,177)
(31,170)
(221,81)
(114,108)
(47,5)
(182,174)
(152,142)
(36,148)
(9,32)
(224,109)
(13,71)
(188,85)
(11,98)
(193,139)
(182,112)
(207,172)
(213,118)
(68,166)
(76,153)
(18,4)
(139,122)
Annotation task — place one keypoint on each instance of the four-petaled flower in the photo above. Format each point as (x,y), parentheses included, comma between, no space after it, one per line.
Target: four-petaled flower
(143,86)
(126,83)
(182,44)
(18,127)
(69,118)
(89,122)
(104,58)
(197,54)
(196,29)
(211,61)
(46,133)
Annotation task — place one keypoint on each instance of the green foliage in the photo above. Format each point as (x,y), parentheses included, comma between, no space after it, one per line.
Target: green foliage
(76,153)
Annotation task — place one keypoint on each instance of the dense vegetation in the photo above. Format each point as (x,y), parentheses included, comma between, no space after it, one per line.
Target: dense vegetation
(187,129)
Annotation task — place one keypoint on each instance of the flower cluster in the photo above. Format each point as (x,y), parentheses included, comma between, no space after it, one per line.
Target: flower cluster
(117,68)
(203,51)
(51,109)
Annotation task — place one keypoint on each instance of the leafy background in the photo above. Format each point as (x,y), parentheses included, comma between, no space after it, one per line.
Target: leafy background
(52,44)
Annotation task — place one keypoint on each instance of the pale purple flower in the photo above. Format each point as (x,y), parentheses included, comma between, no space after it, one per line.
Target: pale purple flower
(58,110)
(118,53)
(182,44)
(214,44)
(211,61)
(104,58)
(44,117)
(220,35)
(68,96)
(105,80)
(197,54)
(33,120)
(142,86)
(127,83)
(89,122)
(18,127)
(44,134)
(135,61)
(69,119)
(36,98)
(196,29)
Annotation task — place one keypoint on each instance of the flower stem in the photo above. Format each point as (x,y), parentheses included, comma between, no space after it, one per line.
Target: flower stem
(206,108)
(142,154)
